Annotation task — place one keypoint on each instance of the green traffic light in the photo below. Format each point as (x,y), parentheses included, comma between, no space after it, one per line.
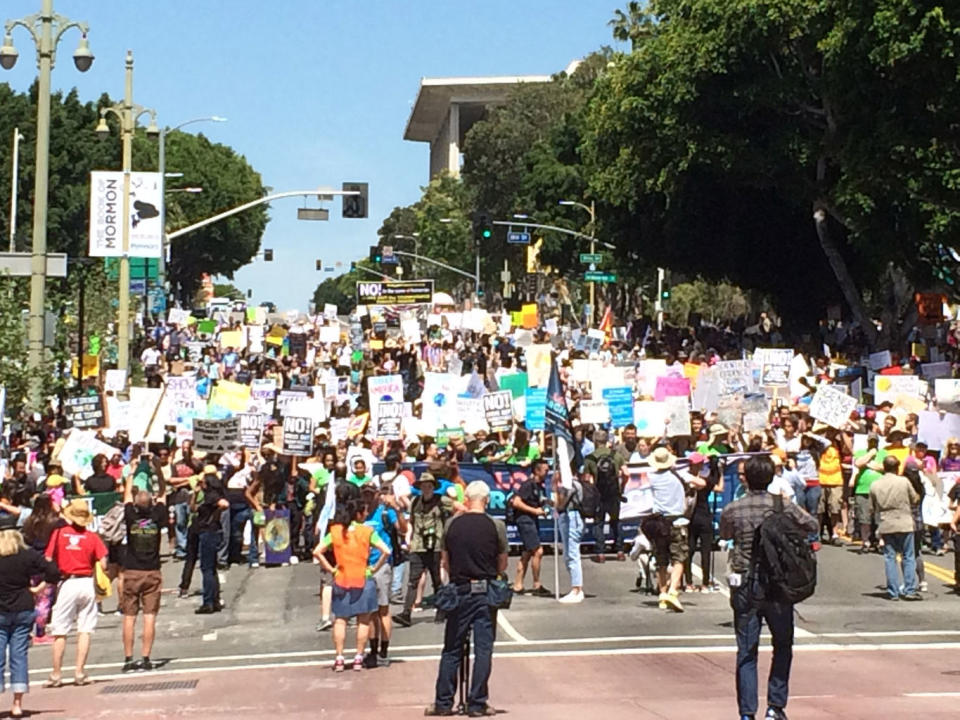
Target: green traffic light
(487,233)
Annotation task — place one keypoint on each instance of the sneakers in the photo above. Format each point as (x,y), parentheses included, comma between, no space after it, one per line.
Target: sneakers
(129,666)
(254,565)
(338,664)
(434,711)
(403,619)
(673,601)
(485,711)
(915,597)
(923,586)
(662,601)
(205,610)
(775,714)
(183,594)
(383,661)
(357,663)
(145,665)
(541,592)
(369,661)
(43,640)
(621,557)
(572,598)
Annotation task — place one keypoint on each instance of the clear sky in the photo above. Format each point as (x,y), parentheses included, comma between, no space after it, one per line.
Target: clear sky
(316,92)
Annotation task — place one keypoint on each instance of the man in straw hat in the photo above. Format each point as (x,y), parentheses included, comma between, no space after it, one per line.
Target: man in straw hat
(76,551)
(669,503)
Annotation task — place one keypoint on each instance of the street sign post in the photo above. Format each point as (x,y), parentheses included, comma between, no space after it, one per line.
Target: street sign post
(518,238)
(591,258)
(600,277)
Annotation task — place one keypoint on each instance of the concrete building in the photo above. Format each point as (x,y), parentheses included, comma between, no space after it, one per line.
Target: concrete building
(446,109)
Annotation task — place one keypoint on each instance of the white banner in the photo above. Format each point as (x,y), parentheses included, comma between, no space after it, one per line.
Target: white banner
(106,214)
(832,406)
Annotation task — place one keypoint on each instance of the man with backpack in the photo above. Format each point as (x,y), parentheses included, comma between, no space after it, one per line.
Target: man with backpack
(603,467)
(772,567)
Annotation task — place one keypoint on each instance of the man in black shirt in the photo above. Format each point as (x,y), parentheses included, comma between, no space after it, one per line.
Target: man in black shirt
(528,504)
(209,535)
(100,481)
(474,553)
(142,580)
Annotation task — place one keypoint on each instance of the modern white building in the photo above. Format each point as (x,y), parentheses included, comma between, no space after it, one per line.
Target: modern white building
(446,109)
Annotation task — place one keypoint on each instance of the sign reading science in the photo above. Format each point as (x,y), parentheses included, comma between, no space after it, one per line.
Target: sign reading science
(395,292)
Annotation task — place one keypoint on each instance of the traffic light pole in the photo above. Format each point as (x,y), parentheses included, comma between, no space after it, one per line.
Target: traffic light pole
(659,305)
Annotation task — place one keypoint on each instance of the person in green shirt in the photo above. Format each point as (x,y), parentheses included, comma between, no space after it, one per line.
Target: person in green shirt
(359,476)
(523,452)
(869,468)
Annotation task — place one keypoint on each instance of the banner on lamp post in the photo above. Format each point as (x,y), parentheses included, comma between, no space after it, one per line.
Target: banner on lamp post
(107,214)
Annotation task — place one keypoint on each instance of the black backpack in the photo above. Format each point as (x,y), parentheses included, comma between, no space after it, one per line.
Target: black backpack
(591,503)
(607,483)
(784,567)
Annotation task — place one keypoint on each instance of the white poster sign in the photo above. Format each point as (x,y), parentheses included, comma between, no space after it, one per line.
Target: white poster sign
(107,214)
(832,406)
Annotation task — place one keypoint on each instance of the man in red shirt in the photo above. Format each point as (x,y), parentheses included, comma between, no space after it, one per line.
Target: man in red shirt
(76,551)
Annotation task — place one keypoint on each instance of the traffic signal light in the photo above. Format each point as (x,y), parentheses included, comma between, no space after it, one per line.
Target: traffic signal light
(353,267)
(665,294)
(482,226)
(375,254)
(268,255)
(319,265)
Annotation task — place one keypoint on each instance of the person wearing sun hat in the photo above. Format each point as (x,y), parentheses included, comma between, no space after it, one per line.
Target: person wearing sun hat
(75,550)
(669,505)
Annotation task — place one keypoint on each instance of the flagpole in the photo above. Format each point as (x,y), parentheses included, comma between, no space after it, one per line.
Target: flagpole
(553,492)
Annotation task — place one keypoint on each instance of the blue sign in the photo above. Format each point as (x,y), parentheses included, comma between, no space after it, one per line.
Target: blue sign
(518,238)
(138,286)
(535,417)
(158,301)
(620,402)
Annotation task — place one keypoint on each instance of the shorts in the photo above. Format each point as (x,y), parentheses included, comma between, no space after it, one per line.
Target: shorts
(529,533)
(383,579)
(863,509)
(350,602)
(674,549)
(115,553)
(141,591)
(76,603)
(831,500)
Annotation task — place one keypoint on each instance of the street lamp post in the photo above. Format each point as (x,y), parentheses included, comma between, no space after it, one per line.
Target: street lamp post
(128,113)
(46,28)
(592,209)
(14,183)
(162,168)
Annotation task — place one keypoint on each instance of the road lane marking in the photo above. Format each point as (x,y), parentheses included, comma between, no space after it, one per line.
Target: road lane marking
(209,637)
(943,694)
(938,572)
(532,654)
(562,641)
(509,629)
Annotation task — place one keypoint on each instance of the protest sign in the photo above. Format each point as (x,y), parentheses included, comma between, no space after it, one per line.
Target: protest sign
(603,377)
(677,409)
(146,425)
(671,386)
(706,395)
(255,339)
(931,371)
(297,436)
(832,406)
(329,334)
(730,410)
(276,536)
(446,433)
(384,388)
(934,428)
(84,411)
(439,399)
(774,364)
(619,402)
(889,387)
(390,420)
(180,397)
(538,364)
(78,451)
(314,408)
(947,392)
(736,376)
(232,339)
(118,413)
(880,360)
(470,414)
(207,327)
(594,412)
(195,351)
(115,381)
(498,410)
(263,391)
(516,383)
(756,412)
(647,373)
(650,418)
(251,429)
(285,398)
(535,400)
(231,397)
(218,436)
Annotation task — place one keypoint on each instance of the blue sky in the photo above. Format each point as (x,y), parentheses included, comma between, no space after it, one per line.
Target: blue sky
(316,92)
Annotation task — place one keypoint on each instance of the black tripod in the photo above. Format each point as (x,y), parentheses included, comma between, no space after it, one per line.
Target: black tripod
(464,675)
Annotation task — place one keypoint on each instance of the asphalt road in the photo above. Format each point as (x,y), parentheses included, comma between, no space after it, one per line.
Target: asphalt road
(858,655)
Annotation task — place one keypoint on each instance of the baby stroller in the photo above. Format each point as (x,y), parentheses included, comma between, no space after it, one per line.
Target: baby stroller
(642,554)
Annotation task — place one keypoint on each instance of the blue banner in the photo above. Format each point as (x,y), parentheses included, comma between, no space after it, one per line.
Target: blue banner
(535,417)
(620,402)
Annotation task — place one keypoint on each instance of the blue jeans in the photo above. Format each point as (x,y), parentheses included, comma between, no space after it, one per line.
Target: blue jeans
(209,543)
(902,543)
(473,612)
(396,584)
(571,530)
(239,516)
(811,503)
(15,637)
(181,514)
(223,549)
(747,621)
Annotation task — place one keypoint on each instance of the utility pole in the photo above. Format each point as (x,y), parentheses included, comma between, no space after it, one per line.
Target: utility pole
(15,181)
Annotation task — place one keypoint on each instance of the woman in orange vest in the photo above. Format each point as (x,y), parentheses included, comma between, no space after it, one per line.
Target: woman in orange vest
(354,591)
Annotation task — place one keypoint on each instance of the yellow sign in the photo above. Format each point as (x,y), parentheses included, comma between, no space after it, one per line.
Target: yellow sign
(232,339)
(91,366)
(231,396)
(528,317)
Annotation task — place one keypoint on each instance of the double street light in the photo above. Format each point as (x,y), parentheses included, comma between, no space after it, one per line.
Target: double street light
(46,28)
(592,209)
